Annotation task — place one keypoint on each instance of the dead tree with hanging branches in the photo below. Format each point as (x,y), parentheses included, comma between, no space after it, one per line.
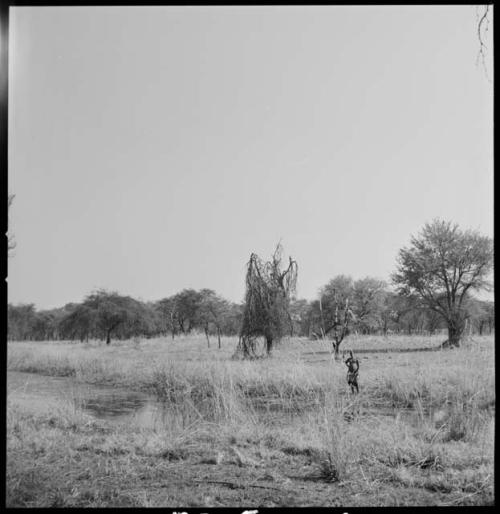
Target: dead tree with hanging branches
(267,300)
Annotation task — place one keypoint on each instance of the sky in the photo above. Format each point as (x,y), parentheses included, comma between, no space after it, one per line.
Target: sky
(153,149)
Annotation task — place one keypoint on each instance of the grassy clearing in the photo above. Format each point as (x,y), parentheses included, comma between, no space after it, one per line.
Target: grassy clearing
(276,432)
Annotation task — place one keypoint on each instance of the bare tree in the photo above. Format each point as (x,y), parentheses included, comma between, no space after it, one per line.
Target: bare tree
(267,300)
(338,326)
(335,312)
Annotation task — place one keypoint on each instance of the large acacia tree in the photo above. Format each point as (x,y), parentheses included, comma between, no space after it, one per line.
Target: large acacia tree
(442,266)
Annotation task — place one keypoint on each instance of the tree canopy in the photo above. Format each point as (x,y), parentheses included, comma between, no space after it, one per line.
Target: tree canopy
(442,266)
(107,313)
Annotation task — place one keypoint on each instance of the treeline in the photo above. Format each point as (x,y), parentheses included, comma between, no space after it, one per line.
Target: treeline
(375,309)
(104,315)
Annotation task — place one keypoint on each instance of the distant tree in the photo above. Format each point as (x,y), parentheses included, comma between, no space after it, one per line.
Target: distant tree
(203,310)
(490,315)
(389,314)
(442,266)
(368,298)
(334,310)
(20,321)
(267,299)
(59,316)
(301,319)
(43,326)
(412,319)
(53,318)
(107,313)
(434,321)
(404,313)
(80,322)
(481,313)
(168,312)
(187,306)
(211,311)
(154,321)
(232,319)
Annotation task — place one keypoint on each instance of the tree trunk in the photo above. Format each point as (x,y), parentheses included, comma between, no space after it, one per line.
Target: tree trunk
(206,334)
(218,335)
(454,335)
(336,348)
(455,329)
(108,337)
(244,347)
(269,345)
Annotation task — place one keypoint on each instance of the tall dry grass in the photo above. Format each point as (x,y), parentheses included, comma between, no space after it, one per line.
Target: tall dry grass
(422,420)
(448,396)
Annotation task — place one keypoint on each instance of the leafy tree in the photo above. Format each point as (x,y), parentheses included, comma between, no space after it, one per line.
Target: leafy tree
(80,322)
(301,319)
(43,326)
(187,305)
(168,312)
(388,313)
(154,320)
(203,309)
(368,303)
(345,304)
(404,313)
(107,313)
(20,321)
(490,315)
(232,319)
(211,312)
(442,266)
(481,314)
(413,317)
(433,321)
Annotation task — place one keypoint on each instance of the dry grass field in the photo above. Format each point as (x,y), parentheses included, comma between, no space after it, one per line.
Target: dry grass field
(282,431)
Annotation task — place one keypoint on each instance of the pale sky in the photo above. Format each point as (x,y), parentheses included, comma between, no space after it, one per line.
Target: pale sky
(153,149)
